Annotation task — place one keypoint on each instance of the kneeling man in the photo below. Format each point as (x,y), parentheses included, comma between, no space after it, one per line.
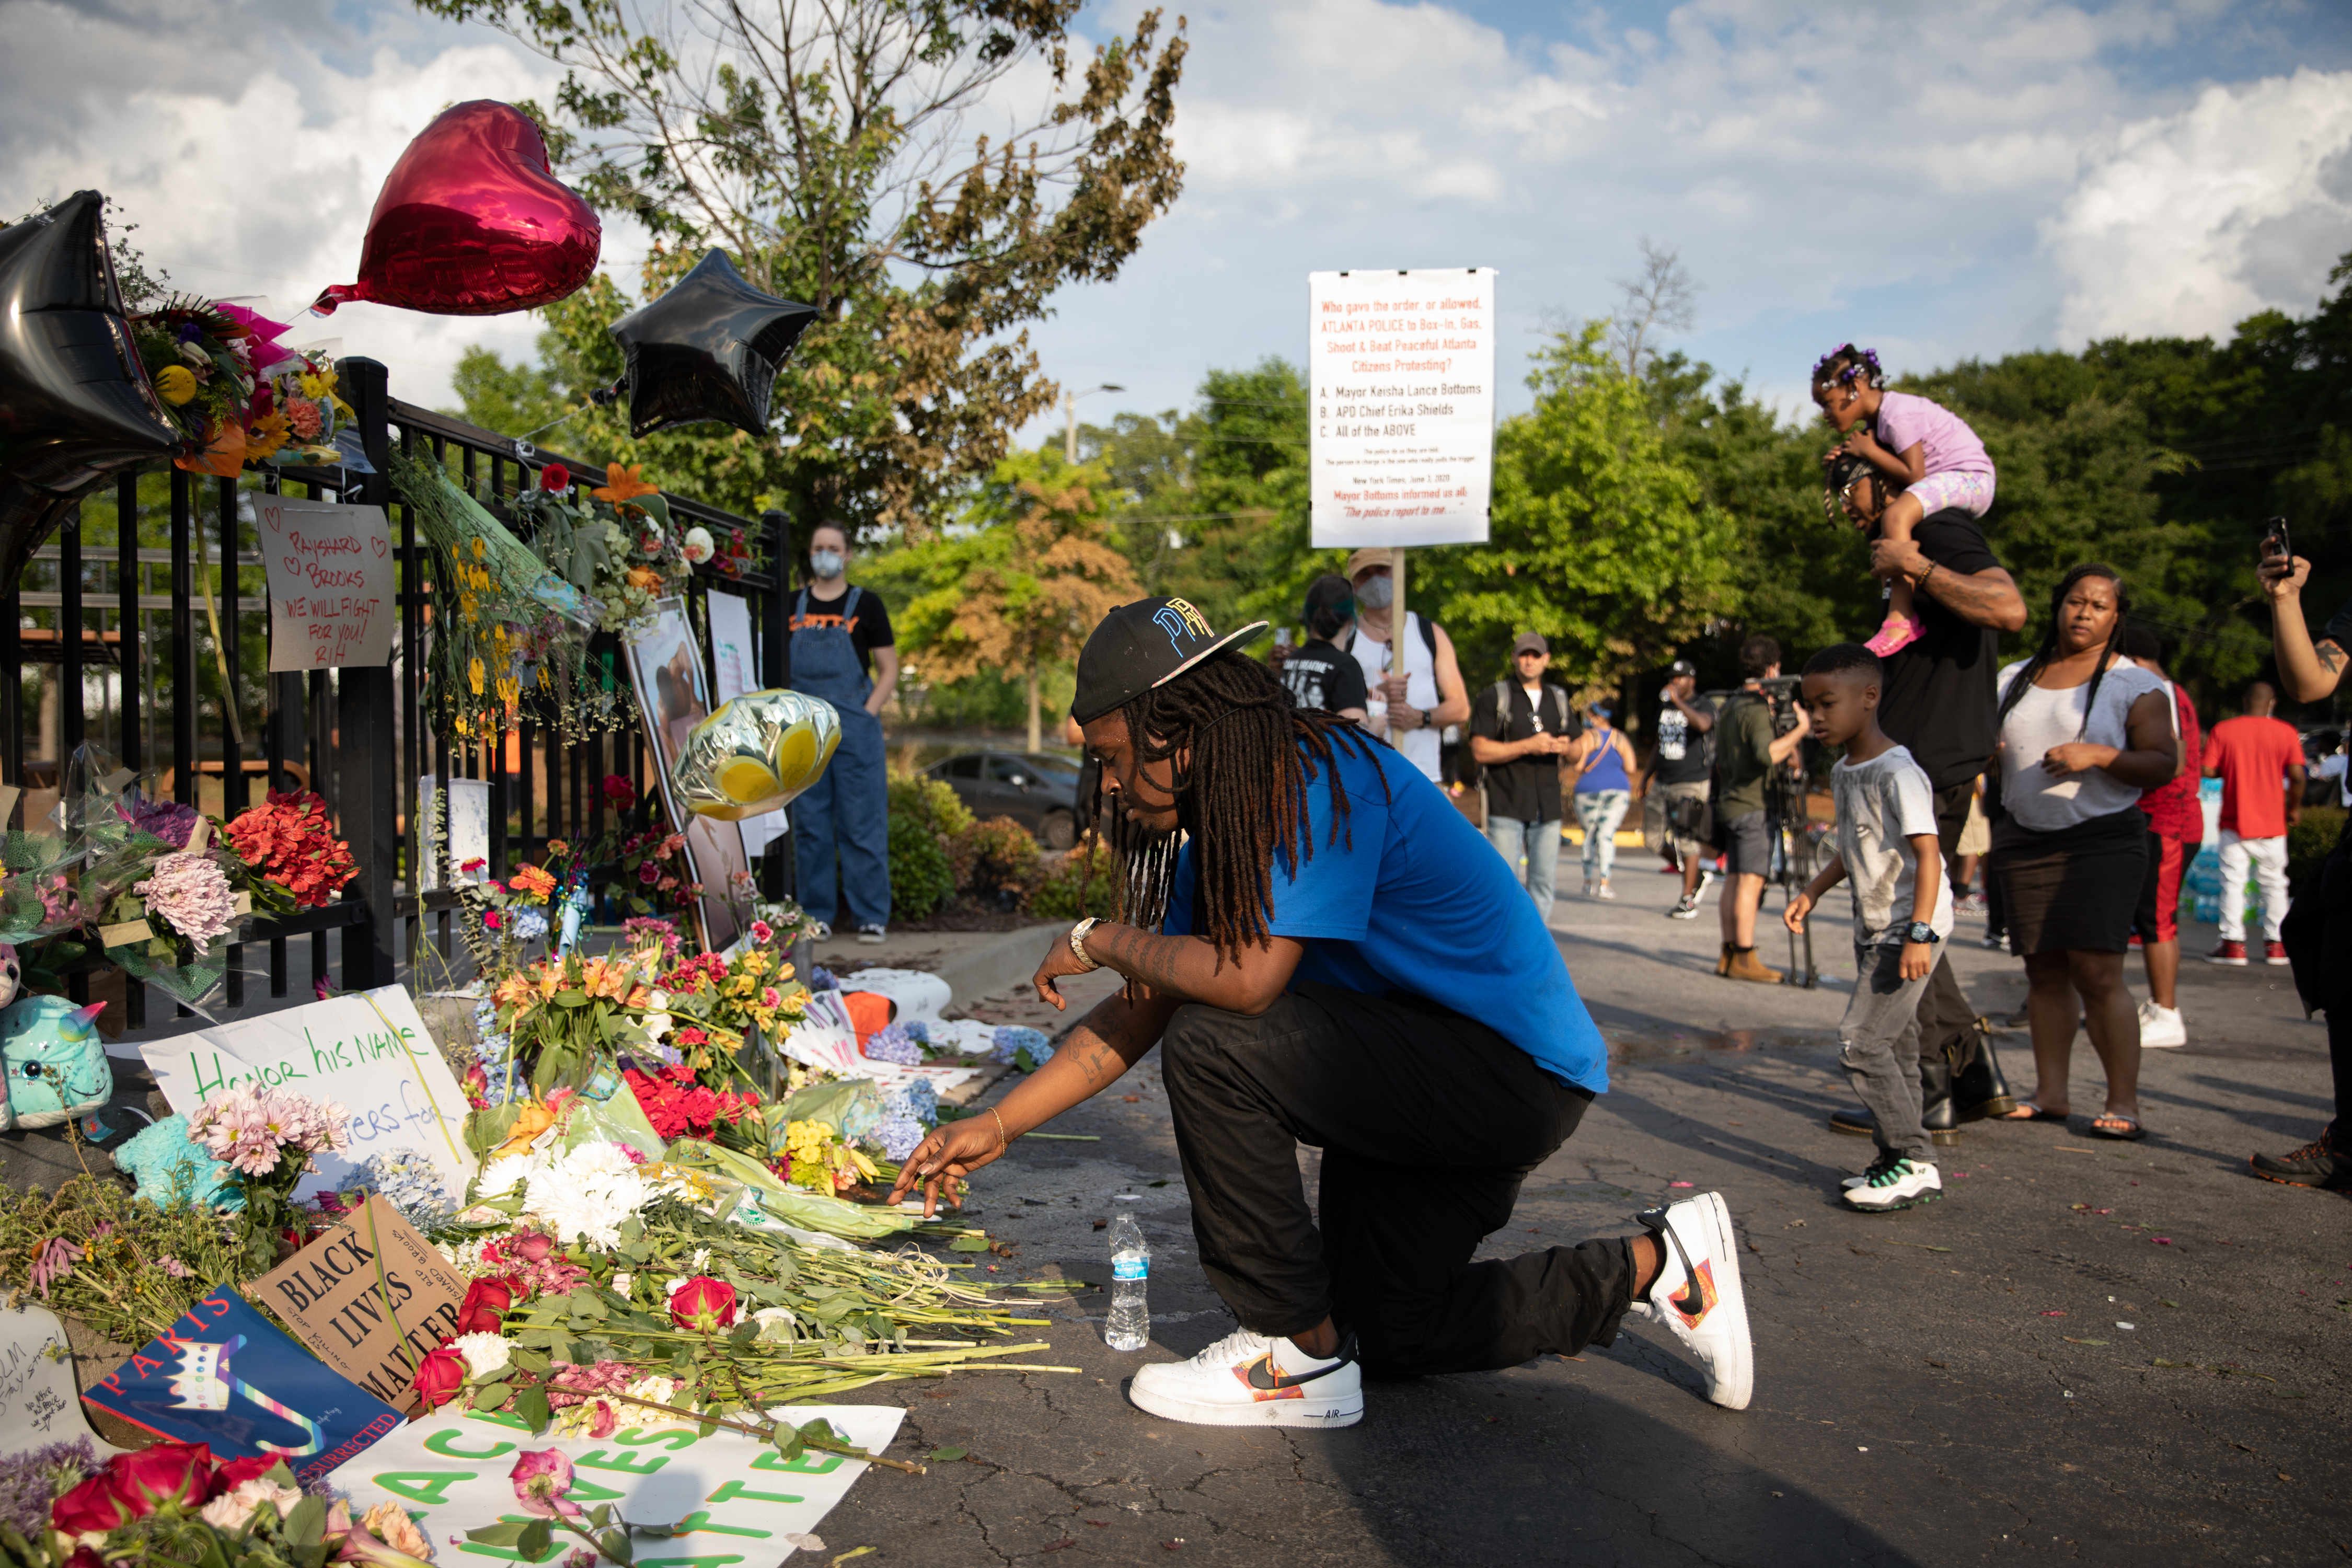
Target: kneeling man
(1330,954)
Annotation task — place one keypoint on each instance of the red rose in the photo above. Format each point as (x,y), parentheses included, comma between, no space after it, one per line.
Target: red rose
(89,1506)
(166,1476)
(486,1306)
(703,1304)
(619,792)
(555,478)
(531,1247)
(439,1377)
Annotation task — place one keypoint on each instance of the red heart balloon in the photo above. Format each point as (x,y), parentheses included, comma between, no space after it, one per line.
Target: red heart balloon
(472,222)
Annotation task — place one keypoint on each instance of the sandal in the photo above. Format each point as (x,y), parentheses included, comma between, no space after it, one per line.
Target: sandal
(2028,1112)
(2118,1126)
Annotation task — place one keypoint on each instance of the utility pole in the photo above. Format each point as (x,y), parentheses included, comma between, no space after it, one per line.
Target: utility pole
(1070,418)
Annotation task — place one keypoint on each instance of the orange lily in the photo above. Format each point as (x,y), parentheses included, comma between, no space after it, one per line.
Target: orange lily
(530,1122)
(623,484)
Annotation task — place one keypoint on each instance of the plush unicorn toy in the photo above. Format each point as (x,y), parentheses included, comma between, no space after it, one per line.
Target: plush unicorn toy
(55,1063)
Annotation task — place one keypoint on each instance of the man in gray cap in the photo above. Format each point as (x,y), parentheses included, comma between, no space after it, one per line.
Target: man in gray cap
(1519,730)
(1673,798)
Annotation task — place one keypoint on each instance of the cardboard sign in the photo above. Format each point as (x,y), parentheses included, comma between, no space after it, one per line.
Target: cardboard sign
(369,1051)
(38,1403)
(227,1377)
(370,1296)
(737,1499)
(1401,372)
(330,569)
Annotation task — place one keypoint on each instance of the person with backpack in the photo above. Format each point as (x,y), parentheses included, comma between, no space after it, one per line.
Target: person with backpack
(1676,787)
(1415,682)
(1519,731)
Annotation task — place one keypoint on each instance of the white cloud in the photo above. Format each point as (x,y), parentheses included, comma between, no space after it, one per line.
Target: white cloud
(2188,223)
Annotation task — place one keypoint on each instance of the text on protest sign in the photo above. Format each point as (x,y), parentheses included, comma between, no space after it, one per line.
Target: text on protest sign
(369,1051)
(371,1297)
(40,1403)
(330,569)
(1400,370)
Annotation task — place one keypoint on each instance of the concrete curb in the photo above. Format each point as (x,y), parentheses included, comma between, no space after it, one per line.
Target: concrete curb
(997,965)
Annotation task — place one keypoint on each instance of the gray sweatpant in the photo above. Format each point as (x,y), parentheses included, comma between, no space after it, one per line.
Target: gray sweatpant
(1879,1048)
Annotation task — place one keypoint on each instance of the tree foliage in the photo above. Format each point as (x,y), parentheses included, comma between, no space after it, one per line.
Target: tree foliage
(823,146)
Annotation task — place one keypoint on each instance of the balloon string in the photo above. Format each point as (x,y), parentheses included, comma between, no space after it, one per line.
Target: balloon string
(600,397)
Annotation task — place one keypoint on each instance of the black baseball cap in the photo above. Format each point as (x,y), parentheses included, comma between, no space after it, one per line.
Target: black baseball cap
(1682,666)
(1138,646)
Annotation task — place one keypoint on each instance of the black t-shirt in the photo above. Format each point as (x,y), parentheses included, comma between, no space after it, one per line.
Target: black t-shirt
(1940,698)
(1526,789)
(1681,754)
(1320,676)
(868,629)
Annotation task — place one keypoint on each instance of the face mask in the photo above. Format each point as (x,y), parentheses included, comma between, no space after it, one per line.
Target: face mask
(826,563)
(1376,592)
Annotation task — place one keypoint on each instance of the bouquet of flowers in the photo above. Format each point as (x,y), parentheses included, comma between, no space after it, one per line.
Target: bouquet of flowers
(291,842)
(617,544)
(236,392)
(565,1019)
(267,1137)
(652,870)
(716,1000)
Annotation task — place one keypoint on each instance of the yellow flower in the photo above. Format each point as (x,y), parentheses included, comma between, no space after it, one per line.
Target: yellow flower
(481,551)
(266,436)
(474,674)
(177,382)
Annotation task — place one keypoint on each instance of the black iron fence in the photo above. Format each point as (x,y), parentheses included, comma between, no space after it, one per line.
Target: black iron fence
(170,676)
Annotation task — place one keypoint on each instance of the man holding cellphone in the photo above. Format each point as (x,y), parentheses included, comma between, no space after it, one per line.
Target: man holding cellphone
(2312,669)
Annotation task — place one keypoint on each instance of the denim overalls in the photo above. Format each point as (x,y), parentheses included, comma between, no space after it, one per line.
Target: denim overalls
(850,803)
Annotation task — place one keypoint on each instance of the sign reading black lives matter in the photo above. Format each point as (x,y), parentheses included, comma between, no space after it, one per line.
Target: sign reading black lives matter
(371,1297)
(1400,369)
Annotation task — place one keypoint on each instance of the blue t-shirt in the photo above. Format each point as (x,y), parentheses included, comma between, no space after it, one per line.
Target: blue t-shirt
(1423,904)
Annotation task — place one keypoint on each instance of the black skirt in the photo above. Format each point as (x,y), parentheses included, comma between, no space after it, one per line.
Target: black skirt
(2073,890)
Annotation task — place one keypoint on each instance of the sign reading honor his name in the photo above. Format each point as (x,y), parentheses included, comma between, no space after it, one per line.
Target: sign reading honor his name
(371,1297)
(1400,369)
(329,570)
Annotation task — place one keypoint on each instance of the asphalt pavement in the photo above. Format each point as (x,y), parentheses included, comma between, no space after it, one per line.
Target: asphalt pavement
(2087,1351)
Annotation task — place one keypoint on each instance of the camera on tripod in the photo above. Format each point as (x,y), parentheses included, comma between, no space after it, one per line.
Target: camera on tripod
(1780,697)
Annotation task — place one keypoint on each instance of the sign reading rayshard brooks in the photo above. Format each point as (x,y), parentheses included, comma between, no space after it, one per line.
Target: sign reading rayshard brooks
(1400,370)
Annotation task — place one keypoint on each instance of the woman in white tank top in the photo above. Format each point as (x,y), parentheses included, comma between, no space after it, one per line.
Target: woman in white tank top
(1433,690)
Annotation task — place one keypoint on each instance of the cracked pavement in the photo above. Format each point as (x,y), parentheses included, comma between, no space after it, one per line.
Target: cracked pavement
(1948,1385)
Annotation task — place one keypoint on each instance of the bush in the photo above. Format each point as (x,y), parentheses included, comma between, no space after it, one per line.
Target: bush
(925,815)
(1055,895)
(2308,843)
(993,856)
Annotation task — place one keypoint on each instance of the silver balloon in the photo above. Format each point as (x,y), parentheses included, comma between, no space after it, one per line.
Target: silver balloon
(756,753)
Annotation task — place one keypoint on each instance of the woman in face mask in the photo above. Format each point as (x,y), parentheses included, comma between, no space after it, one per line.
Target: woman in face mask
(840,633)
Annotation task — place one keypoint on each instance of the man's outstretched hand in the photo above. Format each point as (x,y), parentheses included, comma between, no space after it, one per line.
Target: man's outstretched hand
(945,1158)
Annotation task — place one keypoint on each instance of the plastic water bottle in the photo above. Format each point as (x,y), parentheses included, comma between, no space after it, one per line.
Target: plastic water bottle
(1129,1325)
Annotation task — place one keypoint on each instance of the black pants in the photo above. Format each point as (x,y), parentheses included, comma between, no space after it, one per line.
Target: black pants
(1945,1019)
(1428,1123)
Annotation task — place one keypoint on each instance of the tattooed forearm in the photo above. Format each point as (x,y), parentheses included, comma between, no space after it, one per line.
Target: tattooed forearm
(1988,598)
(2331,657)
(1105,1044)
(1141,955)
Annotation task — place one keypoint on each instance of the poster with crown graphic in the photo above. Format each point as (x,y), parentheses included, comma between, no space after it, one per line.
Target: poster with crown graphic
(224,1376)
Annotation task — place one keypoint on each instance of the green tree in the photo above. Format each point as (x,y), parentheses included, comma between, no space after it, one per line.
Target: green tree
(511,399)
(1601,541)
(824,148)
(1017,587)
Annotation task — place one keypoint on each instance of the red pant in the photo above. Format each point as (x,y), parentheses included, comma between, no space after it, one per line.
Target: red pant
(2158,917)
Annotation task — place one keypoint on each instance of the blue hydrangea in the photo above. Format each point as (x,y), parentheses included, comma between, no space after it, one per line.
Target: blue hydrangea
(917,1098)
(899,1135)
(1014,1039)
(529,925)
(490,1050)
(917,1031)
(821,978)
(893,1043)
(408,1183)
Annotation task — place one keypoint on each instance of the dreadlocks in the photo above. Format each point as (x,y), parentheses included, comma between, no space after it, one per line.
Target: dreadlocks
(1253,754)
(2048,648)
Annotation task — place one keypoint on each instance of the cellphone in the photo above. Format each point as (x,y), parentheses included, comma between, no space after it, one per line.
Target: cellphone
(2274,540)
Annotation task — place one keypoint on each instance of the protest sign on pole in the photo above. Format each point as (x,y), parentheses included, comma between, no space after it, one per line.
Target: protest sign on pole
(1401,372)
(330,571)
(368,1052)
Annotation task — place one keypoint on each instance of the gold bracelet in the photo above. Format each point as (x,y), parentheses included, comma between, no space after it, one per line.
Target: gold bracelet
(1004,1141)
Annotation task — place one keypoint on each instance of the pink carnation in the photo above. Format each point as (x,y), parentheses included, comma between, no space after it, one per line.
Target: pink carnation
(191,895)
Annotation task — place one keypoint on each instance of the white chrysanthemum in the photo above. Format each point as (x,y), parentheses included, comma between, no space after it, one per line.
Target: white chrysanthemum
(485,1355)
(501,1176)
(597,1164)
(575,1214)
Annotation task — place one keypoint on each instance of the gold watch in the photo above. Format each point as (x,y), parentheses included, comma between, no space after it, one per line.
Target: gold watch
(1078,940)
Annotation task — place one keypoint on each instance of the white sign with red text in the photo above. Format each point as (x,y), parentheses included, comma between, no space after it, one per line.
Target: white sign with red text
(1400,377)
(329,570)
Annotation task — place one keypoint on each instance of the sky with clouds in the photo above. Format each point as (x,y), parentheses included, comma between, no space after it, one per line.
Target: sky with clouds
(1943,182)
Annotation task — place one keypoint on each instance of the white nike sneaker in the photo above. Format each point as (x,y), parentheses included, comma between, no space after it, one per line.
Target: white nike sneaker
(2161,1026)
(1247,1380)
(1697,1296)
(1897,1185)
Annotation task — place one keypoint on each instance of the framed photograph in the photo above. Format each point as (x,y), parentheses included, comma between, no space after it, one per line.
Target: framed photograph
(673,696)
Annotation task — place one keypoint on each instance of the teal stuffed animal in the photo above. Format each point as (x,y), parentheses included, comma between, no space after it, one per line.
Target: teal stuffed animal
(54,1062)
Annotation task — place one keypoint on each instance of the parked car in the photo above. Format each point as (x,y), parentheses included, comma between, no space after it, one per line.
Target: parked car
(1038,791)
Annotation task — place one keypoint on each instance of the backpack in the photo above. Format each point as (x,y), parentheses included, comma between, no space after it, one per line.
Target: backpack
(1563,723)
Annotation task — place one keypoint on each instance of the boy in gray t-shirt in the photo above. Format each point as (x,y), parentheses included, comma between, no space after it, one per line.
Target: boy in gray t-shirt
(1902,908)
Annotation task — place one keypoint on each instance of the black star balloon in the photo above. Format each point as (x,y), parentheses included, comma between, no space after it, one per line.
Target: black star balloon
(708,350)
(75,404)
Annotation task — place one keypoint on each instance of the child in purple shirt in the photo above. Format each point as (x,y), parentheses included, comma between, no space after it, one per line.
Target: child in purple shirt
(1915,443)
